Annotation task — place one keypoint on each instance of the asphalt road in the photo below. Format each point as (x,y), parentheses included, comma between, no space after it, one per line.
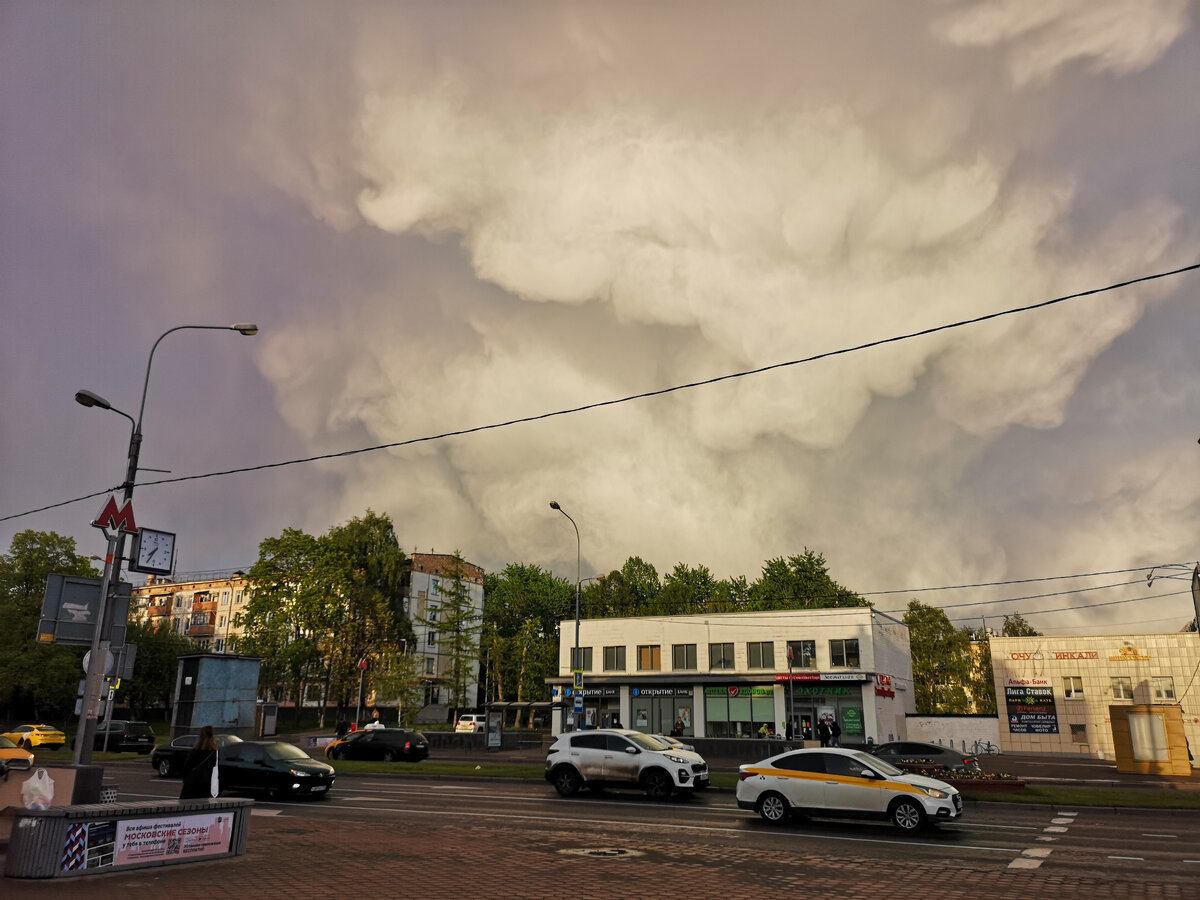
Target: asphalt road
(435,837)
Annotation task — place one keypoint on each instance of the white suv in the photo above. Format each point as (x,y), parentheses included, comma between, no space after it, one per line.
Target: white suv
(616,757)
(472,723)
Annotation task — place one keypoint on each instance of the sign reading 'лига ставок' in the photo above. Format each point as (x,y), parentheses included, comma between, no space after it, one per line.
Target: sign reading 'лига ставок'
(1030,709)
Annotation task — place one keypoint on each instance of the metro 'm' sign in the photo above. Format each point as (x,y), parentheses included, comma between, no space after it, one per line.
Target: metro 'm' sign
(111,517)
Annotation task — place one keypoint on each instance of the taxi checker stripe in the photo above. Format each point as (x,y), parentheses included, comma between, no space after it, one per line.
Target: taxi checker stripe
(901,786)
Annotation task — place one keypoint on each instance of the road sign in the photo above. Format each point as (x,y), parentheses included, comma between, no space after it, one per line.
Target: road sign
(579,679)
(579,703)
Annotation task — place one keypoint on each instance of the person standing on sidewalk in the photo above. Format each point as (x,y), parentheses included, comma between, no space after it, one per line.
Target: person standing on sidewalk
(198,767)
(835,733)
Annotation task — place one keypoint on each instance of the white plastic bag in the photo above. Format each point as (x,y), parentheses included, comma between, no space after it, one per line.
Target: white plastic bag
(38,790)
(215,781)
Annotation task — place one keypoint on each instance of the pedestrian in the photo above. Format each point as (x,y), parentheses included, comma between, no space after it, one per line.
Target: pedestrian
(823,732)
(762,730)
(198,767)
(677,731)
(835,733)
(342,727)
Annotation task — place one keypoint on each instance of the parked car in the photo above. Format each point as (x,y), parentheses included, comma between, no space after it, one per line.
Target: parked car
(10,751)
(168,759)
(30,736)
(618,757)
(914,753)
(839,783)
(674,742)
(472,723)
(273,768)
(124,736)
(387,744)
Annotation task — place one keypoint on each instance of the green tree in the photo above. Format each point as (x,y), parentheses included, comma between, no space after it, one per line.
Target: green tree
(396,678)
(631,590)
(155,668)
(36,679)
(1016,626)
(799,582)
(523,607)
(941,659)
(456,624)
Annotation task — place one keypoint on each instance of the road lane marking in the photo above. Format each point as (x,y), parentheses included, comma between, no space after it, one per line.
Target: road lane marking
(1132,858)
(575,822)
(1151,834)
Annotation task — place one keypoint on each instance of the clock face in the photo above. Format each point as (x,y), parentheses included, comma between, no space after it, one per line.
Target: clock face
(155,552)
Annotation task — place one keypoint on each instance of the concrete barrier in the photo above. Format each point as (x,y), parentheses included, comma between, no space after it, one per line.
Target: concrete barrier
(93,838)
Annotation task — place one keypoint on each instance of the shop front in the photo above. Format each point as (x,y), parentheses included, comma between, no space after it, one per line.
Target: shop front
(601,707)
(738,710)
(810,696)
(663,710)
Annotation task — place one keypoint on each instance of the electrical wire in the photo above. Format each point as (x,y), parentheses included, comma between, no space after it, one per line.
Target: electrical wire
(962,323)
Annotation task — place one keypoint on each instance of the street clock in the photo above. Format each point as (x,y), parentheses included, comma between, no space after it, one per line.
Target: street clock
(153,552)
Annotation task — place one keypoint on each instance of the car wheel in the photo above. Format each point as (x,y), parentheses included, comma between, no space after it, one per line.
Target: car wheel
(566,781)
(389,755)
(907,815)
(55,746)
(25,745)
(773,808)
(658,784)
(164,767)
(336,753)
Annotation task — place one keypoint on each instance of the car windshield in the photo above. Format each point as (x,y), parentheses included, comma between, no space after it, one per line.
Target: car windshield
(224,740)
(882,766)
(6,744)
(659,739)
(281,750)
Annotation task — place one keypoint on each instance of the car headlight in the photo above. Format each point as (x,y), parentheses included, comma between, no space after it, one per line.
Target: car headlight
(678,760)
(299,774)
(934,793)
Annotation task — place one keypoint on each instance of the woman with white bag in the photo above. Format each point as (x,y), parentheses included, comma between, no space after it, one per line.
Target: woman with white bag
(200,768)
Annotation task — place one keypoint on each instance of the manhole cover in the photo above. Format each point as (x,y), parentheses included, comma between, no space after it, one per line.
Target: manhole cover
(602,852)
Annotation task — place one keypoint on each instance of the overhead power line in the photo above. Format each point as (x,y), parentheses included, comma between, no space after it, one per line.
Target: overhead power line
(645,395)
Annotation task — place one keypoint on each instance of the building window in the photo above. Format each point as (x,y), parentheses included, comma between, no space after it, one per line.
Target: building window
(720,656)
(219,646)
(760,654)
(431,638)
(434,586)
(1164,689)
(683,656)
(429,665)
(1073,687)
(586,654)
(1122,687)
(804,654)
(649,658)
(614,659)
(238,598)
(1079,734)
(844,653)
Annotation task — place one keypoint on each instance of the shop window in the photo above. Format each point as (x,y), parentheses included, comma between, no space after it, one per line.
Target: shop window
(720,656)
(683,656)
(649,658)
(1073,687)
(585,654)
(1122,687)
(1079,734)
(1164,689)
(803,654)
(614,659)
(843,653)
(760,654)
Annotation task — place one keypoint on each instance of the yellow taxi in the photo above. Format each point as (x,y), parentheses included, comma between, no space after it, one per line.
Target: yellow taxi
(30,736)
(9,750)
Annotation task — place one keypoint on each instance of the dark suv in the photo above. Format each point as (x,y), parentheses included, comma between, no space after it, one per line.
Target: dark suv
(388,744)
(124,736)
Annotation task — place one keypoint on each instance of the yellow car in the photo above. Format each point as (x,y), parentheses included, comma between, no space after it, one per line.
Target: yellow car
(9,750)
(30,736)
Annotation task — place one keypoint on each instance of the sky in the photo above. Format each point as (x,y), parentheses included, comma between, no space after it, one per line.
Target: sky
(446,216)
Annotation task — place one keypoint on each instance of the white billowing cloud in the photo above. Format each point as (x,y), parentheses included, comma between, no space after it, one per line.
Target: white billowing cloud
(1118,36)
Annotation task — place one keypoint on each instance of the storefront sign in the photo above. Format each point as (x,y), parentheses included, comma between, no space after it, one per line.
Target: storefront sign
(817,690)
(1026,682)
(852,720)
(1031,710)
(821,676)
(737,690)
(661,692)
(1128,654)
(593,692)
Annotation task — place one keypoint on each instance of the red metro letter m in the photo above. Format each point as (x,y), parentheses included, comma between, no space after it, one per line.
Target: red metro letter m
(111,517)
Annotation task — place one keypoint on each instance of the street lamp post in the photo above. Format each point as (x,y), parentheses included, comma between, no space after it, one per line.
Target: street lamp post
(85,735)
(576,662)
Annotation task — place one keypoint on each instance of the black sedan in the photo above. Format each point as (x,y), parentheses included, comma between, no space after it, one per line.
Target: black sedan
(168,759)
(910,754)
(273,768)
(387,744)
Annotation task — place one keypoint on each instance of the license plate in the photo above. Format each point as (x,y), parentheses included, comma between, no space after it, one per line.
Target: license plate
(319,787)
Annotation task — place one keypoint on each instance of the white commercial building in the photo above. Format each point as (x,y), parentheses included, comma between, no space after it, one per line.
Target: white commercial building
(729,674)
(1054,694)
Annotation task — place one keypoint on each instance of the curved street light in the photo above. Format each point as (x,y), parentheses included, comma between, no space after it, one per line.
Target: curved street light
(576,662)
(116,543)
